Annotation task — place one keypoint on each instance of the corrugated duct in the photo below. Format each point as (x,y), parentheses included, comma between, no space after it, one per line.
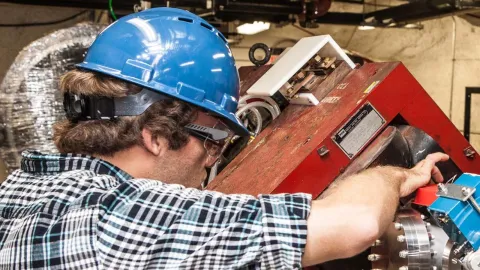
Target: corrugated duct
(29,98)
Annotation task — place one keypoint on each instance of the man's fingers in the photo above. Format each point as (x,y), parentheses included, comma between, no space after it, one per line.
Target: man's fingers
(437,175)
(437,157)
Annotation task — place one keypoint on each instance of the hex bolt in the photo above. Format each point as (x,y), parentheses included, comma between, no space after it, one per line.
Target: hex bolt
(403,254)
(403,268)
(442,188)
(401,238)
(377,243)
(374,257)
(465,191)
(398,226)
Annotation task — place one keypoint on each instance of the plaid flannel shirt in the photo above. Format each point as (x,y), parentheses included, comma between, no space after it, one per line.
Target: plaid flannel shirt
(75,211)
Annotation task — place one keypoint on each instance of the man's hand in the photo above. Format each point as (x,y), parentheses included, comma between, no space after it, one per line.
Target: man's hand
(421,174)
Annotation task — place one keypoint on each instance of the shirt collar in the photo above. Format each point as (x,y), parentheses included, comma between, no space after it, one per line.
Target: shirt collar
(36,162)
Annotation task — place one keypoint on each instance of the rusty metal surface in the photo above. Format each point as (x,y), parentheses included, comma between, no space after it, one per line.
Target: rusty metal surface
(299,130)
(388,148)
(250,75)
(296,153)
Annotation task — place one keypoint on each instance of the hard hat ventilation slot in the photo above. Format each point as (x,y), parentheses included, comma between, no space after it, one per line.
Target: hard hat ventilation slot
(185,19)
(206,26)
(222,37)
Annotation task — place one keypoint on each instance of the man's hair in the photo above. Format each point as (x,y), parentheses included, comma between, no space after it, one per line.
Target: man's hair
(165,118)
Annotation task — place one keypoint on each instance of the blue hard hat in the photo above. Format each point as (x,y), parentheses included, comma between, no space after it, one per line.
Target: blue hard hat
(172,52)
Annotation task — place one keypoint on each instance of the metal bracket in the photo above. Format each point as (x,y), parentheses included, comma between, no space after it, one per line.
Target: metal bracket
(458,192)
(454,191)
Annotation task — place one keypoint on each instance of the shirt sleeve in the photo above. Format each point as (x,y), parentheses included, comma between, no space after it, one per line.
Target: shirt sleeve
(148,224)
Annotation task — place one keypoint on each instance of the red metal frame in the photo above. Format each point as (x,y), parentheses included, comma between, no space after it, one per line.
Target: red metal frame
(284,158)
(398,94)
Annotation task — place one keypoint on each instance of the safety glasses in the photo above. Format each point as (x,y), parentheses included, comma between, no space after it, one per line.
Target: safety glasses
(215,139)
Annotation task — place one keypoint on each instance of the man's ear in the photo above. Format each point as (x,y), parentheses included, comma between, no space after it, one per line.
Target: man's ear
(154,144)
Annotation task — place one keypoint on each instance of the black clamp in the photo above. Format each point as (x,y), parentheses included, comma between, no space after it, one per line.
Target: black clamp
(81,107)
(264,48)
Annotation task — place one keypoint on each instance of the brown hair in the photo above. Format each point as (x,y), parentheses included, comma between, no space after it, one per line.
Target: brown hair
(165,118)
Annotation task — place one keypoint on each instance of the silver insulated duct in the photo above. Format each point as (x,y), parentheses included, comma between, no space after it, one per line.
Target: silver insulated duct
(29,98)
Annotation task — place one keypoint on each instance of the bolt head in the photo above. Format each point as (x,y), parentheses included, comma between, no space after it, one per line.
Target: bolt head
(403,254)
(398,226)
(373,257)
(401,238)
(377,243)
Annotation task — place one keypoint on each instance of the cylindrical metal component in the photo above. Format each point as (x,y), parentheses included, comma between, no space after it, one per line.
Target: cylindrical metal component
(474,204)
(472,261)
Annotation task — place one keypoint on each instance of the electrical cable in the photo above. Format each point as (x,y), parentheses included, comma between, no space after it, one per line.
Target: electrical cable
(110,7)
(243,101)
(258,104)
(259,125)
(45,23)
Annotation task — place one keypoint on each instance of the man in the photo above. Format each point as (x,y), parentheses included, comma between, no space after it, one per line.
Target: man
(149,109)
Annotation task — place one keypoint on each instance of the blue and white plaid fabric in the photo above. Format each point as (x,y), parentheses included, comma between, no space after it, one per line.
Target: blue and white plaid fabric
(78,212)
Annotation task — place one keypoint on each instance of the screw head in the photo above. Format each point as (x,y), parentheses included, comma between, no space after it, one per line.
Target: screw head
(374,257)
(403,254)
(377,243)
(398,226)
(401,238)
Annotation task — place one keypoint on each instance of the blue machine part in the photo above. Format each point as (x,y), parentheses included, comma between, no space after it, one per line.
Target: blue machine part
(462,213)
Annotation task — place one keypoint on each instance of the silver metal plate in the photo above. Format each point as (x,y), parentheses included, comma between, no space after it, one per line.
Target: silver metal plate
(455,191)
(358,130)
